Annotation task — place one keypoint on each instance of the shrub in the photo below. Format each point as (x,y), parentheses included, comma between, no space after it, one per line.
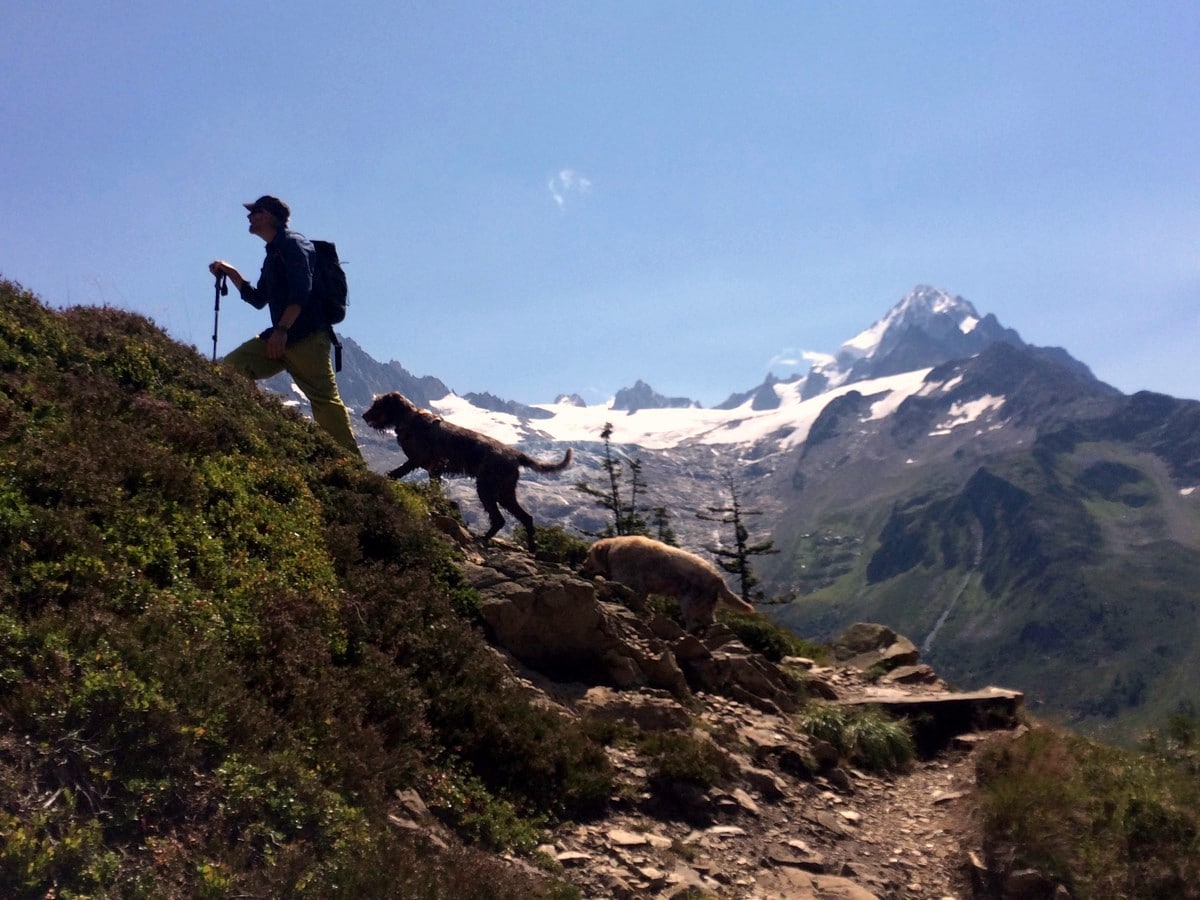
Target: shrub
(680,758)
(1178,744)
(665,606)
(1106,822)
(483,819)
(556,544)
(609,732)
(773,641)
(224,645)
(864,736)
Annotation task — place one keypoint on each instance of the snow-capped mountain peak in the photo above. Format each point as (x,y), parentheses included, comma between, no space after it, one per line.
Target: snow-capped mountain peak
(885,363)
(927,326)
(924,307)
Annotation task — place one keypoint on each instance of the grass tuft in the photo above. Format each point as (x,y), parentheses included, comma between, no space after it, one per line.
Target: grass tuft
(864,736)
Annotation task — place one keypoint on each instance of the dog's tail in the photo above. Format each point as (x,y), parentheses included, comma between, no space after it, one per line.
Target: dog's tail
(733,601)
(532,463)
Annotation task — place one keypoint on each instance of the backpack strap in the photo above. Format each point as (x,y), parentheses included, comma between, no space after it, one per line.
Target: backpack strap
(337,350)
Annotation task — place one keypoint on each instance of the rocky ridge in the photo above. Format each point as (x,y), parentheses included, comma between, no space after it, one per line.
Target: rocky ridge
(791,819)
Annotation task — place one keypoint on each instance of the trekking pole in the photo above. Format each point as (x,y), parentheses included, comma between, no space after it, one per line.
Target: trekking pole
(221,289)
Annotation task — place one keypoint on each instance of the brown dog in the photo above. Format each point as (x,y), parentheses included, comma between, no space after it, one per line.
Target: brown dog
(652,567)
(440,448)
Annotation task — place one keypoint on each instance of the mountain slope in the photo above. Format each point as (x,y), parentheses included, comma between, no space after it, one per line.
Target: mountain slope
(225,647)
(888,477)
(1050,542)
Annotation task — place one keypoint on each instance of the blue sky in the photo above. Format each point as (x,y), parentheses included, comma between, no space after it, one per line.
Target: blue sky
(537,198)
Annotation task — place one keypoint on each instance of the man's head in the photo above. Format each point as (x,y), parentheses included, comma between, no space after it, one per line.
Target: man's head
(267,214)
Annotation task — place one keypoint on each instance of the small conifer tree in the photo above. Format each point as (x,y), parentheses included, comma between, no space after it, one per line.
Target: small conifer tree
(632,520)
(736,560)
(610,499)
(660,519)
(628,517)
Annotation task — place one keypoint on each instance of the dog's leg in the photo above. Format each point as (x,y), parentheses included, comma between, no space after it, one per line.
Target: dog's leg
(694,609)
(400,471)
(503,485)
(508,499)
(639,601)
(484,490)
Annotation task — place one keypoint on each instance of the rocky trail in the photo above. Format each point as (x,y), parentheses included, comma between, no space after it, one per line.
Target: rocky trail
(842,834)
(790,819)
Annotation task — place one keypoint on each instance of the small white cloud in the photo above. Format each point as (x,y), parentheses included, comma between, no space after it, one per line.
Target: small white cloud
(798,360)
(819,359)
(566,183)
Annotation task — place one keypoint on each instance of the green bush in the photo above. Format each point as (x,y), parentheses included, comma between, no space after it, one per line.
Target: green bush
(773,641)
(1107,822)
(464,804)
(609,732)
(556,544)
(680,758)
(864,736)
(224,645)
(1178,744)
(665,606)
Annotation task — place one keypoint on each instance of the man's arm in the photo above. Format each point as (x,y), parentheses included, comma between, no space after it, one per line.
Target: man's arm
(277,342)
(245,288)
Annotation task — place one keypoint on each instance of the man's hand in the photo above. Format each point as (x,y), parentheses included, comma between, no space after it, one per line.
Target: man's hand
(276,343)
(220,267)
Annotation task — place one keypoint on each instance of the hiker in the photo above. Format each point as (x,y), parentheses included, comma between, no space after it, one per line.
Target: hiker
(299,338)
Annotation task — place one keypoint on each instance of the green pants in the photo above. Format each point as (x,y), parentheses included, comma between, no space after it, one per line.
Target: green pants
(307,361)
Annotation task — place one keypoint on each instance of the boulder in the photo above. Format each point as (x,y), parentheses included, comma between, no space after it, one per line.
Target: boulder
(719,663)
(554,624)
(867,645)
(560,626)
(938,718)
(862,637)
(649,710)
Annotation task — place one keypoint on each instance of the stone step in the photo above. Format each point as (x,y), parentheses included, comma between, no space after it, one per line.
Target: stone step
(939,717)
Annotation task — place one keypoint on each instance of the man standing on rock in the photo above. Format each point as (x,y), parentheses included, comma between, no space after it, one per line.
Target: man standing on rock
(299,338)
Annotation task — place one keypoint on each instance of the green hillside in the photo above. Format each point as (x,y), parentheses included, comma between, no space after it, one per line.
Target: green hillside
(225,647)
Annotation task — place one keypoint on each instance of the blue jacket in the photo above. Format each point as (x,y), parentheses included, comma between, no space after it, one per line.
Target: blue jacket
(287,278)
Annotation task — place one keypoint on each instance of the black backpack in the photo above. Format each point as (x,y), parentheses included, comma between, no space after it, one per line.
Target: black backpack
(330,290)
(329,282)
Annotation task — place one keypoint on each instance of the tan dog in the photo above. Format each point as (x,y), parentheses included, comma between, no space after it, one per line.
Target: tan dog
(652,567)
(440,448)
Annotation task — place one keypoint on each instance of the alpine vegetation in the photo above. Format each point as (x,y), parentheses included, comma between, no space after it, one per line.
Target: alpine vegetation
(228,648)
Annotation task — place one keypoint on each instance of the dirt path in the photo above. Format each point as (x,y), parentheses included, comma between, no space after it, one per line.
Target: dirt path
(918,826)
(849,837)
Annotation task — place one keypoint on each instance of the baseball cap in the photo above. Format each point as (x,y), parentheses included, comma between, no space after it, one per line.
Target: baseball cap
(273,205)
